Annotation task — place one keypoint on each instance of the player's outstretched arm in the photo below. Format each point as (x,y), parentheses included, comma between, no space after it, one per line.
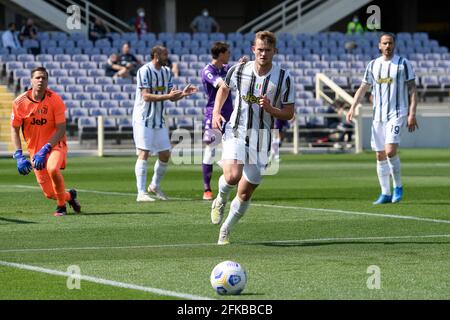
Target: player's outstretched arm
(221,96)
(356,100)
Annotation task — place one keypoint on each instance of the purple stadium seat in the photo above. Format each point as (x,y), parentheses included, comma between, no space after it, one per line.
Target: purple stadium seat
(100,96)
(77,73)
(120,96)
(95,112)
(90,104)
(96,72)
(74,88)
(58,73)
(85,80)
(73,104)
(65,80)
(103,80)
(116,111)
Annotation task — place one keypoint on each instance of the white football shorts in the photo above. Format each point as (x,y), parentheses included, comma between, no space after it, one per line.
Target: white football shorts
(254,162)
(154,140)
(387,132)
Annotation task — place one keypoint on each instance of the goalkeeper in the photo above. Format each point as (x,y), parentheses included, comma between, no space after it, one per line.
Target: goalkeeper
(40,114)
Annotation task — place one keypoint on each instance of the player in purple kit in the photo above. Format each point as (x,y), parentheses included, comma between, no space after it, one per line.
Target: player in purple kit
(212,77)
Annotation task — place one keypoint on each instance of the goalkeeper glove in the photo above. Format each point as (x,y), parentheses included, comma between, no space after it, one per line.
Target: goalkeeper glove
(40,158)
(23,165)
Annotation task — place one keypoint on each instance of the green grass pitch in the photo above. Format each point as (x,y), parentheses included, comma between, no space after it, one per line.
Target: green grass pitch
(311,232)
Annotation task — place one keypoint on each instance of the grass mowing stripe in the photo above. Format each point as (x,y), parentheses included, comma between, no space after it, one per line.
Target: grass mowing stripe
(380,215)
(103,281)
(181,245)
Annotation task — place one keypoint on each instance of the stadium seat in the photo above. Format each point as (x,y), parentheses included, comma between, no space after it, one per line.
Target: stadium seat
(128,104)
(120,96)
(66,96)
(64,80)
(77,73)
(93,88)
(85,80)
(69,65)
(82,96)
(90,104)
(95,112)
(80,58)
(96,72)
(58,73)
(101,96)
(112,88)
(117,111)
(103,80)
(32,64)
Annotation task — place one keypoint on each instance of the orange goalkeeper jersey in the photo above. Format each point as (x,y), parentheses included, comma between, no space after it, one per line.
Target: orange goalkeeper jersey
(38,119)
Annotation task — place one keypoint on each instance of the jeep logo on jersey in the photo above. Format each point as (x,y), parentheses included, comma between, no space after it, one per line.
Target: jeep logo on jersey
(160,88)
(38,122)
(249,98)
(385,80)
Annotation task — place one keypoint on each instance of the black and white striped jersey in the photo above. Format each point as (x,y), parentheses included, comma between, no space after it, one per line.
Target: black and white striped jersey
(151,114)
(247,115)
(388,79)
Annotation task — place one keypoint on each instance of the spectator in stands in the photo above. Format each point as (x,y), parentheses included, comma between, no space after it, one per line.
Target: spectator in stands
(128,60)
(30,32)
(10,39)
(140,25)
(354,26)
(204,23)
(98,30)
(392,79)
(114,69)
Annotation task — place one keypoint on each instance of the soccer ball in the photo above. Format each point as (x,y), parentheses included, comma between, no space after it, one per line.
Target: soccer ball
(228,278)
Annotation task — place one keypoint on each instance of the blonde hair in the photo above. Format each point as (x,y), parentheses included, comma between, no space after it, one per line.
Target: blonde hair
(266,36)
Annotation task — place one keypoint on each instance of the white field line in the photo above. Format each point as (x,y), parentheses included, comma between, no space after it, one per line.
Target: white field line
(380,215)
(191,245)
(103,281)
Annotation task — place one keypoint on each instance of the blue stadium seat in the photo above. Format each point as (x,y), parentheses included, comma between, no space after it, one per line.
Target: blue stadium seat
(90,104)
(77,73)
(74,87)
(100,96)
(44,57)
(103,80)
(128,104)
(62,58)
(66,96)
(92,51)
(117,111)
(174,111)
(69,65)
(93,88)
(65,80)
(88,65)
(129,88)
(95,112)
(31,65)
(112,88)
(80,58)
(81,96)
(74,104)
(58,88)
(99,58)
(85,80)
(123,81)
(25,58)
(58,73)
(96,72)
(120,96)
(77,112)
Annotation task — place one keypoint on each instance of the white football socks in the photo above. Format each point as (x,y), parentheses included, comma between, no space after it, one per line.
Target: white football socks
(224,190)
(384,173)
(394,166)
(208,154)
(140,170)
(158,173)
(237,211)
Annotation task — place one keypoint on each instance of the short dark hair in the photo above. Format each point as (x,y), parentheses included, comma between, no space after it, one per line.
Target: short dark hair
(390,34)
(11,24)
(39,69)
(218,48)
(157,50)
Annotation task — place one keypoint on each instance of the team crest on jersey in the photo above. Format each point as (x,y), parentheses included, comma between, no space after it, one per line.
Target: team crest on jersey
(387,80)
(43,110)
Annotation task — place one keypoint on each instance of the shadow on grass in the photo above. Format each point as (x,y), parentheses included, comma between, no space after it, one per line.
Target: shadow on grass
(17,221)
(116,213)
(316,244)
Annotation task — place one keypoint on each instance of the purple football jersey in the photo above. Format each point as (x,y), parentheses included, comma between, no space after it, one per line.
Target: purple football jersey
(210,79)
